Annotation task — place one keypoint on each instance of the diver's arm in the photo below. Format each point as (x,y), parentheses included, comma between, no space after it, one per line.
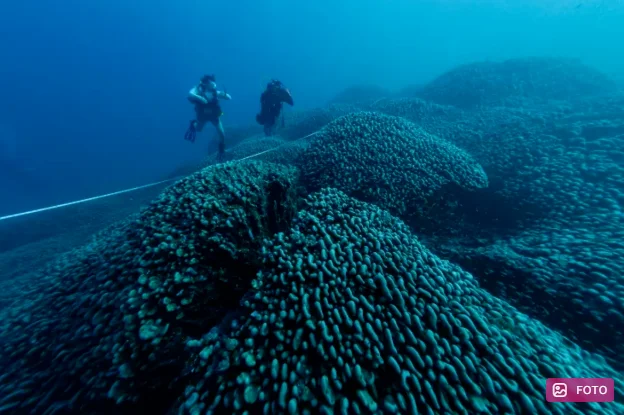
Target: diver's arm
(286,97)
(223,95)
(194,95)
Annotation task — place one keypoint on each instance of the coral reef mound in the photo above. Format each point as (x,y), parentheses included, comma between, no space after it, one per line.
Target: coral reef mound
(109,326)
(354,315)
(389,161)
(514,81)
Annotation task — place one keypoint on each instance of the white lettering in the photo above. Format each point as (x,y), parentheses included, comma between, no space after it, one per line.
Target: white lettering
(591,390)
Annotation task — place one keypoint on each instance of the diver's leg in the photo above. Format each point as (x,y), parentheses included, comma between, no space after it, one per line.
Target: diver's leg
(200,117)
(270,125)
(199,125)
(221,132)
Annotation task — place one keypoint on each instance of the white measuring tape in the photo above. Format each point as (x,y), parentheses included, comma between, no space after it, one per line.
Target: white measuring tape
(90,199)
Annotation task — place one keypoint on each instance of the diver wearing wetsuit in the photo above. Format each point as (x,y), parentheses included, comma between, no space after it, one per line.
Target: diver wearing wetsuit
(271,102)
(205,97)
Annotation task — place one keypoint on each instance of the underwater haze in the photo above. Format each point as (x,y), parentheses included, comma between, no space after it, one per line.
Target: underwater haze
(425,216)
(95,92)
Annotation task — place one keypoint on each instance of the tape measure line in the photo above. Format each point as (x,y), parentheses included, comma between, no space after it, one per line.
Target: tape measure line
(90,199)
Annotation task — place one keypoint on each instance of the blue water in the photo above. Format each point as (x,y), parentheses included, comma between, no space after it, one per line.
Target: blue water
(436,225)
(93,93)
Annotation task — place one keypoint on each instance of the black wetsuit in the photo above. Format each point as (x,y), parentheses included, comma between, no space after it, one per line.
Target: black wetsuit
(271,102)
(211,111)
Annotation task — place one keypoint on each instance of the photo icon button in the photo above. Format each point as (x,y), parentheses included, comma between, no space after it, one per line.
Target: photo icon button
(560,390)
(580,390)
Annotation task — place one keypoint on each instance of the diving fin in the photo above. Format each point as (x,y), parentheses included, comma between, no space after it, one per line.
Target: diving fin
(191,132)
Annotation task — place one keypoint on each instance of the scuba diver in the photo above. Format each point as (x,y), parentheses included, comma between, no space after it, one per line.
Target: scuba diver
(205,97)
(271,102)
